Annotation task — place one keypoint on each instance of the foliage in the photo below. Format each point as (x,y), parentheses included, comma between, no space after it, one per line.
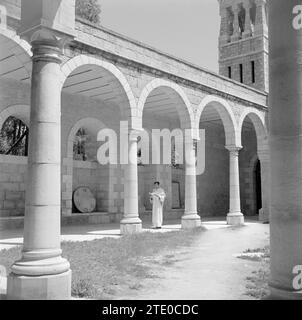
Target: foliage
(14,137)
(79,145)
(89,10)
(257,283)
(108,268)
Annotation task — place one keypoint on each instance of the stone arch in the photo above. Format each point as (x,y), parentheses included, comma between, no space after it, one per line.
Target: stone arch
(19,47)
(185,112)
(258,119)
(227,117)
(92,125)
(81,60)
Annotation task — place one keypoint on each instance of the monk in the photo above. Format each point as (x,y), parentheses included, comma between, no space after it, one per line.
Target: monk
(157,198)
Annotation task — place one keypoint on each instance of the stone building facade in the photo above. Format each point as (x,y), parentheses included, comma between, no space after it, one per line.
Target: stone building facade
(102,72)
(243,42)
(60,74)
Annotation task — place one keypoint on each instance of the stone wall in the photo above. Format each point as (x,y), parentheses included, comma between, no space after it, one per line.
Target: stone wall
(12,185)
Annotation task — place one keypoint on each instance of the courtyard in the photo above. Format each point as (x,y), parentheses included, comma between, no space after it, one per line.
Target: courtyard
(100,131)
(201,264)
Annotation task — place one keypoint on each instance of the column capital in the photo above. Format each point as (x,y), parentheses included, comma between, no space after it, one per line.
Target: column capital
(247,5)
(233,149)
(235,8)
(260,3)
(46,44)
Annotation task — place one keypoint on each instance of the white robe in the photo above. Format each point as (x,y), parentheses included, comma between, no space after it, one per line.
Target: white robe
(157,198)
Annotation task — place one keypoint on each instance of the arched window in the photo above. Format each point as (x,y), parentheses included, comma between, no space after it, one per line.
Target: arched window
(14,137)
(79,145)
(253,13)
(241,19)
(230,21)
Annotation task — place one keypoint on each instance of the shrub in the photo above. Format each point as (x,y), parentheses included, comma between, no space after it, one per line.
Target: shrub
(89,10)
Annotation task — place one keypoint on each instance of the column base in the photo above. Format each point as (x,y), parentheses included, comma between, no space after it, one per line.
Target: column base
(130,226)
(48,287)
(235,219)
(190,221)
(283,294)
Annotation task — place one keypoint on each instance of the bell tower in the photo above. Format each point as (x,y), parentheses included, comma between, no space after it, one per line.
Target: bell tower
(243,42)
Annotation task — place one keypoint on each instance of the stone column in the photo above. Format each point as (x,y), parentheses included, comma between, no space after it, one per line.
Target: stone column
(261,21)
(248,23)
(236,33)
(234,217)
(131,223)
(285,45)
(190,219)
(265,188)
(42,273)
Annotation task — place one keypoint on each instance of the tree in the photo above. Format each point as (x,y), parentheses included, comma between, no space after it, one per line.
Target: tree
(14,137)
(89,10)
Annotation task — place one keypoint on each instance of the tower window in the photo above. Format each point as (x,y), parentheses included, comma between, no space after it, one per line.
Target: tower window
(230,72)
(253,71)
(241,72)
(241,19)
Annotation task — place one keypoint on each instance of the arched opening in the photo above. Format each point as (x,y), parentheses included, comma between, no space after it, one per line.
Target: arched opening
(86,171)
(230,22)
(217,120)
(258,191)
(241,18)
(95,96)
(254,140)
(15,72)
(166,109)
(14,137)
(13,164)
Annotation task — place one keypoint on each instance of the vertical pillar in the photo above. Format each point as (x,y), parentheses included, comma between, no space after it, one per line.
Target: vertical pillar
(236,33)
(261,21)
(42,273)
(265,167)
(248,23)
(131,223)
(234,217)
(285,46)
(190,219)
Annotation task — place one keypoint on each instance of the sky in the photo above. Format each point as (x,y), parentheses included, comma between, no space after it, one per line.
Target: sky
(187,29)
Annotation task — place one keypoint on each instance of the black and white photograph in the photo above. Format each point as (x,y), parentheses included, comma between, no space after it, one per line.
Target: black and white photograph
(150,151)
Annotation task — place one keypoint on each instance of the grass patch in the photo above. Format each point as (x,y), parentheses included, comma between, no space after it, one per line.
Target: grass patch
(105,268)
(257,283)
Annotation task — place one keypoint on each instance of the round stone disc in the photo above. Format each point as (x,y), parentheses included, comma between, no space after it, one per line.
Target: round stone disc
(84,200)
